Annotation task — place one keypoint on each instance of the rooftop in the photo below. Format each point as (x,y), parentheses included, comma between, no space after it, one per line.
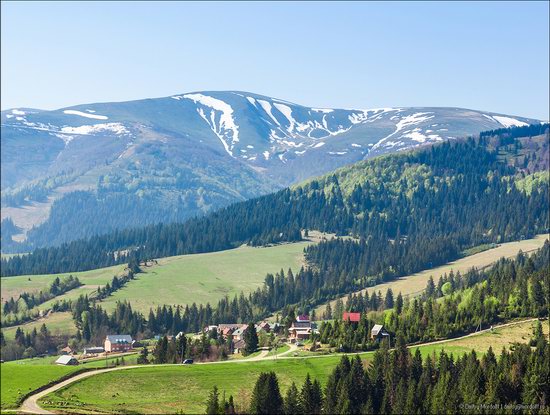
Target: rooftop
(119,338)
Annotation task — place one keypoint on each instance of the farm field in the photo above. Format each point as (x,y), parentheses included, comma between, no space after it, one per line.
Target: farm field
(203,278)
(164,384)
(416,283)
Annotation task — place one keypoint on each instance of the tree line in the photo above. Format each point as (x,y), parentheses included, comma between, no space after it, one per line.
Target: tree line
(457,305)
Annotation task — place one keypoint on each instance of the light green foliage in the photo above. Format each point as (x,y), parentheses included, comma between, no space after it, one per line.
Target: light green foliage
(532,181)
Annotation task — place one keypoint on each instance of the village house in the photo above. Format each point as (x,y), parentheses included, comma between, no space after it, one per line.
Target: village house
(66,360)
(208,329)
(118,343)
(378,332)
(263,326)
(239,333)
(301,329)
(351,317)
(238,346)
(227,330)
(66,351)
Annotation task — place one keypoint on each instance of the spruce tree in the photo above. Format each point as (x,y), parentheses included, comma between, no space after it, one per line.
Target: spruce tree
(266,396)
(212,404)
(250,339)
(292,401)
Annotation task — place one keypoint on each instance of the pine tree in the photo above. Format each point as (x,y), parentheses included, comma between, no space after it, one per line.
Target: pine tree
(212,404)
(292,401)
(266,396)
(143,356)
(388,301)
(250,339)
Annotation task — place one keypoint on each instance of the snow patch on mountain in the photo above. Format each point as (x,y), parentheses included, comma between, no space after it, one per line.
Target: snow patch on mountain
(225,128)
(66,138)
(114,127)
(18,112)
(509,122)
(287,112)
(266,106)
(85,114)
(406,121)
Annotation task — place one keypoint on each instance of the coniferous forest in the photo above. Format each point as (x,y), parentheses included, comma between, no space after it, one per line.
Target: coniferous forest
(400,382)
(406,211)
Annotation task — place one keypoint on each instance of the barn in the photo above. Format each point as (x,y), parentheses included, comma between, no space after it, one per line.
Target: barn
(66,360)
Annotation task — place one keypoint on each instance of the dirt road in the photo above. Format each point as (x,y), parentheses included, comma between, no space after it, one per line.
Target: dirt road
(30,405)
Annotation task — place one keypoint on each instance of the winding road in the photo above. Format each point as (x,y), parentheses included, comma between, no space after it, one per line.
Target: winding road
(30,405)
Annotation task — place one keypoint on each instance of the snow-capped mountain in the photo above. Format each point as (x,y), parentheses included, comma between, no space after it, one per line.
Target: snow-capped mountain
(198,151)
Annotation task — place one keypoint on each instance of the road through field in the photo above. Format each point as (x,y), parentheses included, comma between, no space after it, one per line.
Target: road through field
(30,405)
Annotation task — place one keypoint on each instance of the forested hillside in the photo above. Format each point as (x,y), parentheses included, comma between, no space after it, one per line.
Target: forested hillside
(409,211)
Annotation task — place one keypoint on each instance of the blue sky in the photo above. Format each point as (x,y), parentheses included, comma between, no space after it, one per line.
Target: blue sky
(491,56)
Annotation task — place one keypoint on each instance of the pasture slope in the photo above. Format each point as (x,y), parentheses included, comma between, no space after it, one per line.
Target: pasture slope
(203,278)
(20,377)
(171,388)
(174,280)
(414,284)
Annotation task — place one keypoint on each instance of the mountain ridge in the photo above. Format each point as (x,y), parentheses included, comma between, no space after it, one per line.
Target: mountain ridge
(192,153)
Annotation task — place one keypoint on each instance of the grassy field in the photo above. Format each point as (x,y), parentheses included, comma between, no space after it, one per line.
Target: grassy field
(57,323)
(416,283)
(181,280)
(13,286)
(173,388)
(203,278)
(497,339)
(20,377)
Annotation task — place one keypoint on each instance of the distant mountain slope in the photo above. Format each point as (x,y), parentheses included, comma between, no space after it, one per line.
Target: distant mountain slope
(434,202)
(168,159)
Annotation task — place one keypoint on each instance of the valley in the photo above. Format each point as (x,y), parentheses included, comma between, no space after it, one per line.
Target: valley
(287,208)
(389,222)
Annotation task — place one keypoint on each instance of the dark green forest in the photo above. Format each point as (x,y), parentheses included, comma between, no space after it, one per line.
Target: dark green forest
(398,382)
(407,212)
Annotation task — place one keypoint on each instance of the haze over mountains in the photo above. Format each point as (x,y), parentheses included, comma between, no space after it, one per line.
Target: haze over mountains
(91,168)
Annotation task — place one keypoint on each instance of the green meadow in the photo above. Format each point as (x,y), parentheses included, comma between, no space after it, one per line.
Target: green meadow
(203,278)
(57,323)
(23,376)
(174,280)
(171,388)
(13,286)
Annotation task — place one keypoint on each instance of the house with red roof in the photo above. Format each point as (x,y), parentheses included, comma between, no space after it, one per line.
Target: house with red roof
(353,317)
